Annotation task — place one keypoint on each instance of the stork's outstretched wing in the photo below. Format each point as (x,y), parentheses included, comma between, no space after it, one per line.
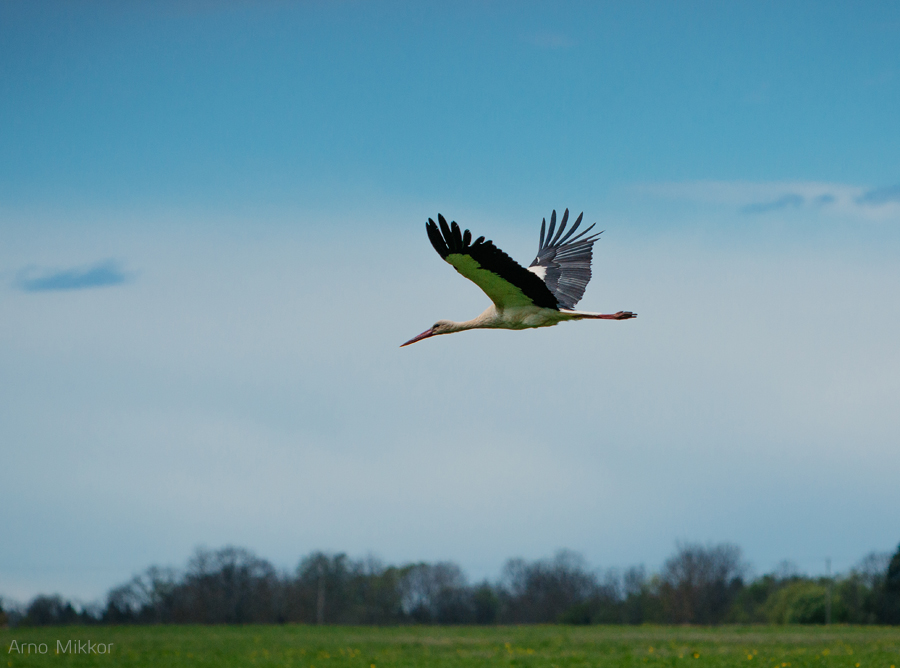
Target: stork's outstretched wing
(504,280)
(564,263)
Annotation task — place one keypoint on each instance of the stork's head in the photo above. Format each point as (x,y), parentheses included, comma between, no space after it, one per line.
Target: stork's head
(440,327)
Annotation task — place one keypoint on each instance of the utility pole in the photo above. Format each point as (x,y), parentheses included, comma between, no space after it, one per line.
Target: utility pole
(828,595)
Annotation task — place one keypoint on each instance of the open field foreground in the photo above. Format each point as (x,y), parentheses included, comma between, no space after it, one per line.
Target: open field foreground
(365,647)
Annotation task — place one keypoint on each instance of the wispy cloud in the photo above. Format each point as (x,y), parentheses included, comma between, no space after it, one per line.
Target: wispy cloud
(839,199)
(880,196)
(99,275)
(783,202)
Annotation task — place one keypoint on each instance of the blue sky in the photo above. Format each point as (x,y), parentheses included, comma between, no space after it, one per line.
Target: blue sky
(212,244)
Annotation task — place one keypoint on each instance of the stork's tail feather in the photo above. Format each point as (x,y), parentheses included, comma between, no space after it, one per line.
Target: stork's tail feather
(621,315)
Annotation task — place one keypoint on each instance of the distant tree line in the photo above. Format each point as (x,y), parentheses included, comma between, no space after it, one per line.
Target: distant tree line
(697,585)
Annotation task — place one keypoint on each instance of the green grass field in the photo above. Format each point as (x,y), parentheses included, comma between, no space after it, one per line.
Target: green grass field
(523,646)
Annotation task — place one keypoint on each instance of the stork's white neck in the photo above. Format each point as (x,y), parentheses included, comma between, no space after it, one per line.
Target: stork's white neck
(490,318)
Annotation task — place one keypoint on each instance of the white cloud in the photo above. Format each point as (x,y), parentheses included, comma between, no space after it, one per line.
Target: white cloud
(757,198)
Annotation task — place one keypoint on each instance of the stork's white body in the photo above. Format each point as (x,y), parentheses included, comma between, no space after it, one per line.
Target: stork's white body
(521,317)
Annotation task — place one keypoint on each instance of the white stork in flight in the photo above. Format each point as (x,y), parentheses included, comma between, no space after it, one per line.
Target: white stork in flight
(541,296)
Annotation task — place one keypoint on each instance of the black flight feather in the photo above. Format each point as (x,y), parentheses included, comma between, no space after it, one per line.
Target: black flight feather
(566,260)
(447,240)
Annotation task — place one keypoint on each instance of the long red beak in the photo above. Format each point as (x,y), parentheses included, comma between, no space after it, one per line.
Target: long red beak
(423,335)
